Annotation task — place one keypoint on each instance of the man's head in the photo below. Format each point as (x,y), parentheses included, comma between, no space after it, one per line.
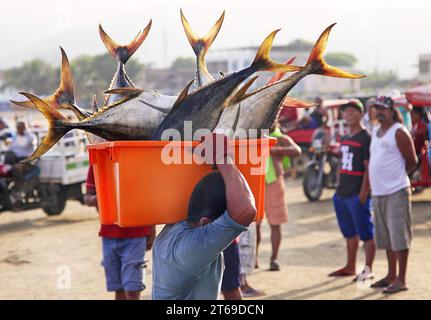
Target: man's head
(208,200)
(417,114)
(385,110)
(353,111)
(20,128)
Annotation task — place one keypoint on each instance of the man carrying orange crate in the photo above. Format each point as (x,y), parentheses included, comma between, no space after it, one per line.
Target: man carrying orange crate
(123,251)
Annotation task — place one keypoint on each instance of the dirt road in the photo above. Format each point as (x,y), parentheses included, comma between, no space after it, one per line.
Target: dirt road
(37,253)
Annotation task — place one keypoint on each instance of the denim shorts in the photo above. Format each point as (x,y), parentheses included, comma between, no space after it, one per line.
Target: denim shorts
(123,260)
(353,217)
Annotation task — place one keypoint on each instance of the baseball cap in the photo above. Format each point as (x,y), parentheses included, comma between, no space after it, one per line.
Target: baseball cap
(384,101)
(356,103)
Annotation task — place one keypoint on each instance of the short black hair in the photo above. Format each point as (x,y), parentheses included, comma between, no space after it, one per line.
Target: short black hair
(208,198)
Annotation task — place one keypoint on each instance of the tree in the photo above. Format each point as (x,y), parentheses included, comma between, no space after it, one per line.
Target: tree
(35,76)
(92,75)
(184,64)
(341,59)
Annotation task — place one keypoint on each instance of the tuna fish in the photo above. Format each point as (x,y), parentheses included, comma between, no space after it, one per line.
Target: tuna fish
(204,106)
(259,108)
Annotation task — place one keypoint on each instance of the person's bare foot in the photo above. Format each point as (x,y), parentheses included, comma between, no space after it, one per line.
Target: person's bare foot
(343,272)
(396,286)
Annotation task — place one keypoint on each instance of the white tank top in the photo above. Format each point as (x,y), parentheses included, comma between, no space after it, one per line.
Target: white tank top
(387,168)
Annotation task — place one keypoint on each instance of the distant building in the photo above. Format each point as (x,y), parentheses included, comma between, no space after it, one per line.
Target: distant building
(425,67)
(234,59)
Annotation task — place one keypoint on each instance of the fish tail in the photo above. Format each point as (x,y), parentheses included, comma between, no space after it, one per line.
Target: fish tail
(262,61)
(201,45)
(57,128)
(317,63)
(63,97)
(122,53)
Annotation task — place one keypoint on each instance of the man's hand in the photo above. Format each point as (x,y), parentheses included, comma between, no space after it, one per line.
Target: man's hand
(363,196)
(215,149)
(151,237)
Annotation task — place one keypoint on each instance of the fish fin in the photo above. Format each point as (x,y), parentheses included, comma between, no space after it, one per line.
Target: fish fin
(236,121)
(262,61)
(201,45)
(279,75)
(163,110)
(123,52)
(25,104)
(242,91)
(130,92)
(182,95)
(320,66)
(94,104)
(55,132)
(222,74)
(290,102)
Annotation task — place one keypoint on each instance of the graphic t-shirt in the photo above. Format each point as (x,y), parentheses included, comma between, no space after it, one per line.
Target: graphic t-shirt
(355,150)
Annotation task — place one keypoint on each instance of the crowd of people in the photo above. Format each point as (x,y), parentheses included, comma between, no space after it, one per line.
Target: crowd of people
(212,252)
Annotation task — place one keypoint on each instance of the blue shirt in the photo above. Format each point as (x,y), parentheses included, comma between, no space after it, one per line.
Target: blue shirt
(188,262)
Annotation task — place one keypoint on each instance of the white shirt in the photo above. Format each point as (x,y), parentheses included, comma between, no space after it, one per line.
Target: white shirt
(387,166)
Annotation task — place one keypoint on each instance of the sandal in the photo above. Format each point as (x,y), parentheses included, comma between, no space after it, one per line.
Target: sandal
(250,292)
(383,283)
(274,266)
(394,289)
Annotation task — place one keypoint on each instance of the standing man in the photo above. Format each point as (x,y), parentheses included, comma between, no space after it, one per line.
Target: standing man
(393,157)
(187,256)
(123,251)
(352,201)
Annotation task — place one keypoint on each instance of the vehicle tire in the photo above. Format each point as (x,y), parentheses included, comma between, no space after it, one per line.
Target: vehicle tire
(312,190)
(56,202)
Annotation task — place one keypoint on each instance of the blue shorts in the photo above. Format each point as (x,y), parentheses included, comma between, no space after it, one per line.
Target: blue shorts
(354,218)
(231,278)
(123,260)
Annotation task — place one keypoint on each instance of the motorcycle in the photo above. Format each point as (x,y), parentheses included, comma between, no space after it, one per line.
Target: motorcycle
(321,171)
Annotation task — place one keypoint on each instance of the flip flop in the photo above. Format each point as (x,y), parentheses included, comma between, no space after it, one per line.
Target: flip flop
(383,283)
(250,292)
(394,289)
(368,276)
(274,266)
(341,273)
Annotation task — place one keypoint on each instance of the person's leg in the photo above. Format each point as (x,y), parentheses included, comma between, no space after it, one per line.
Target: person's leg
(234,294)
(112,265)
(392,265)
(402,263)
(120,295)
(370,253)
(347,228)
(275,241)
(258,239)
(132,252)
(361,214)
(230,286)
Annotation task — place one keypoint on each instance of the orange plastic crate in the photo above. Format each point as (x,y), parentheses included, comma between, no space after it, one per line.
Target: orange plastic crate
(136,188)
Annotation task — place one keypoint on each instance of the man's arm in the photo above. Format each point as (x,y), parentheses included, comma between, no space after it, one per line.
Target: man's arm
(90,198)
(285,147)
(365,187)
(407,149)
(239,198)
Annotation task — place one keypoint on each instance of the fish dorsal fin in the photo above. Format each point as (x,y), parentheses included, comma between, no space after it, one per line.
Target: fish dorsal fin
(128,94)
(94,104)
(182,96)
(235,122)
(242,91)
(161,109)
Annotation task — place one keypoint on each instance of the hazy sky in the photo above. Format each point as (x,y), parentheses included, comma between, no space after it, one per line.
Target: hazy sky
(381,34)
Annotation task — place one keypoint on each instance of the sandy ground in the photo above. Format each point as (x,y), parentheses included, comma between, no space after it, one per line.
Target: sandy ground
(36,252)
